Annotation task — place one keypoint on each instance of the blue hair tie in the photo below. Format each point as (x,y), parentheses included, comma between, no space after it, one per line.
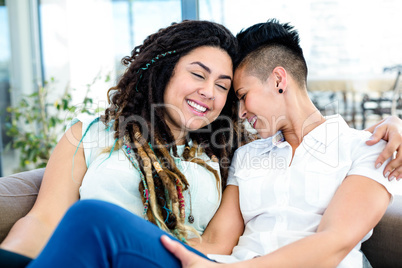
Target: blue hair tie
(149,64)
(168,211)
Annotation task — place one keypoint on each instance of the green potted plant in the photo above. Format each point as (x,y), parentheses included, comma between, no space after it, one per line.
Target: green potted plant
(36,123)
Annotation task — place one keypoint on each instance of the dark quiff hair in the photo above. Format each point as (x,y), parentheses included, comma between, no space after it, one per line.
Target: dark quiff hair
(265,46)
(136,106)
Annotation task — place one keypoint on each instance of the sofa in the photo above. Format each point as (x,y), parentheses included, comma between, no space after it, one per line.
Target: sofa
(18,193)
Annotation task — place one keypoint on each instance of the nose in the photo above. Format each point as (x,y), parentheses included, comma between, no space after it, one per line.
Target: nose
(207,91)
(242,110)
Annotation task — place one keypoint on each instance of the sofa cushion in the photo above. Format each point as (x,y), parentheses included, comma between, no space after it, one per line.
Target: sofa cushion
(383,249)
(18,193)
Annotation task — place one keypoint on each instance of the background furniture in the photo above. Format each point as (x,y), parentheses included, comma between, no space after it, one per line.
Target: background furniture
(18,193)
(360,101)
(389,101)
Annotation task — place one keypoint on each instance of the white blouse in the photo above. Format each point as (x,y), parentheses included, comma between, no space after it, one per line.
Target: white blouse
(113,178)
(281,204)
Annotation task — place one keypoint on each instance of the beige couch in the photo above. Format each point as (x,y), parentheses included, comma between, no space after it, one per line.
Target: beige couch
(18,193)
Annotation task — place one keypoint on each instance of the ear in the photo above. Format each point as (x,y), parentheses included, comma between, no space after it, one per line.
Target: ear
(280,78)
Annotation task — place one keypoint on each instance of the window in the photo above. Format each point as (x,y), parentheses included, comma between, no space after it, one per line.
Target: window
(84,39)
(4,76)
(341,39)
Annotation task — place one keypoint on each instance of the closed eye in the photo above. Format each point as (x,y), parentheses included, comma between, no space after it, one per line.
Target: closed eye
(197,75)
(222,87)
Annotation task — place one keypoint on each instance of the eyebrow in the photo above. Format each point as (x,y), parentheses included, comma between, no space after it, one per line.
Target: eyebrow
(206,68)
(237,92)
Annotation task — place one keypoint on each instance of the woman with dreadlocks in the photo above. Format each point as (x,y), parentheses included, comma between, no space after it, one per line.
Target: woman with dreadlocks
(155,151)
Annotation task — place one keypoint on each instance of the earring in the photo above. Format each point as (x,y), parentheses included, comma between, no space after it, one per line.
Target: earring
(213,98)
(281,91)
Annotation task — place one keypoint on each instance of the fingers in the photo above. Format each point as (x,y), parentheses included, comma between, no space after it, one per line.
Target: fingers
(393,170)
(373,140)
(396,174)
(393,145)
(390,130)
(378,134)
(379,131)
(185,256)
(173,246)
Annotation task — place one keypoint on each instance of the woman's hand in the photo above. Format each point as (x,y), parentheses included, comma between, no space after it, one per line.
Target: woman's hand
(389,129)
(187,258)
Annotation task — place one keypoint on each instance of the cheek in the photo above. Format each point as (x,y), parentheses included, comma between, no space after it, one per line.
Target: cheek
(248,103)
(176,89)
(167,96)
(256,104)
(220,102)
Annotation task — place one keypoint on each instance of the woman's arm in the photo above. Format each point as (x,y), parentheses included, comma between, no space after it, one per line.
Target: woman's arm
(355,209)
(225,228)
(57,193)
(389,129)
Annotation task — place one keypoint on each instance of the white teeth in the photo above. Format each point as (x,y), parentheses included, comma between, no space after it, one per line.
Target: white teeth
(253,121)
(196,106)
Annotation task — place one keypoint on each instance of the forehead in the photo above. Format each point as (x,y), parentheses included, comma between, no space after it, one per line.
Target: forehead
(241,76)
(208,53)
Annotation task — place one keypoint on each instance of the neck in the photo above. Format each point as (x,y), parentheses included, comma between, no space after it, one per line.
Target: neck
(180,141)
(179,136)
(303,118)
(179,133)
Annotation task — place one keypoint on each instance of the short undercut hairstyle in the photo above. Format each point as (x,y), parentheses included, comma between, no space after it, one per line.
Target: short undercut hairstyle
(265,46)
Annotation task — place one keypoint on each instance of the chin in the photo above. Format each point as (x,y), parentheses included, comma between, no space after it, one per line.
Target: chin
(196,124)
(195,127)
(265,135)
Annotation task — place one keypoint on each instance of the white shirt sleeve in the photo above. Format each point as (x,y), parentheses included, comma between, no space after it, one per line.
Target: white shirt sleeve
(232,179)
(364,157)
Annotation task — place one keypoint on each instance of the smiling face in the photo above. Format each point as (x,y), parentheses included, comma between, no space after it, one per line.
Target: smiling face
(197,91)
(260,103)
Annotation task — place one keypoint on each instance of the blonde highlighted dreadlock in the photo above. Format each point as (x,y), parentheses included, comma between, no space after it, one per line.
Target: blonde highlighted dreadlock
(165,183)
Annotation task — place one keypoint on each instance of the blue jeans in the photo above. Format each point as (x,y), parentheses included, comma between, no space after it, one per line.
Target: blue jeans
(99,234)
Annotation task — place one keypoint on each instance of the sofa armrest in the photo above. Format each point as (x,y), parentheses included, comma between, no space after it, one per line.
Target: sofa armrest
(18,193)
(383,249)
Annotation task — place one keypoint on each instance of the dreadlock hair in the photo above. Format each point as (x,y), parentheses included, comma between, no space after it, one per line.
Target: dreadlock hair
(137,112)
(265,46)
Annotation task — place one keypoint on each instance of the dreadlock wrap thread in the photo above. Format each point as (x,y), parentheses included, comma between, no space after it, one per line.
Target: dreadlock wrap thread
(125,145)
(172,164)
(179,180)
(151,187)
(165,179)
(179,194)
(148,212)
(174,192)
(167,183)
(149,64)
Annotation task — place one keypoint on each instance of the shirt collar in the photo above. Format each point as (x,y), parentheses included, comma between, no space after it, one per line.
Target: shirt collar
(325,133)
(265,145)
(330,130)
